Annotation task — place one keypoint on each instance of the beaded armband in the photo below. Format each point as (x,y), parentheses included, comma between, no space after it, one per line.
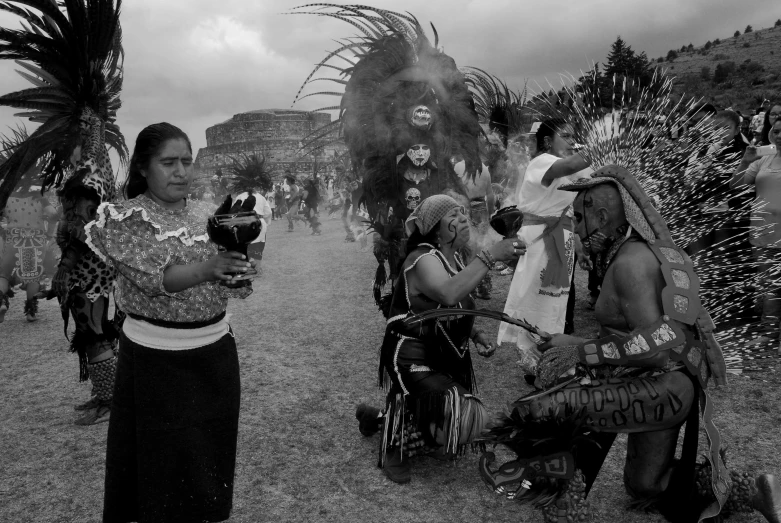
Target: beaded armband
(646,342)
(484,260)
(489,257)
(639,344)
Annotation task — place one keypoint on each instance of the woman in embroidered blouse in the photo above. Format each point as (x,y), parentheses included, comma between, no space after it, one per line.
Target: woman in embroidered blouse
(172,435)
(764,172)
(429,366)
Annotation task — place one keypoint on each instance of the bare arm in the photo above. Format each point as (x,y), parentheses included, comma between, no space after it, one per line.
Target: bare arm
(564,167)
(639,282)
(430,277)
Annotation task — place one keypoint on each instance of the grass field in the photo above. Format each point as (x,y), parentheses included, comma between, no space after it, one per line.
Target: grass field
(308,342)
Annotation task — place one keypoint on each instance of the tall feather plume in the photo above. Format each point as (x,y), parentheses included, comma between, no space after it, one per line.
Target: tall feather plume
(71,52)
(390,42)
(628,124)
(504,110)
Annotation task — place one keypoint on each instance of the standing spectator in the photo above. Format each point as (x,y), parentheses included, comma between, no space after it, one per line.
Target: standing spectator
(759,120)
(745,126)
(771,116)
(263,209)
(764,172)
(272,204)
(279,200)
(293,200)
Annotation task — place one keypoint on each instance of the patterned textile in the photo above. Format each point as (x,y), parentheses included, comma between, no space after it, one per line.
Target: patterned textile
(23,253)
(141,239)
(429,212)
(26,212)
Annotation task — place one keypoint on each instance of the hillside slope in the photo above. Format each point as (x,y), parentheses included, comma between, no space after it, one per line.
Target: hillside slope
(757,70)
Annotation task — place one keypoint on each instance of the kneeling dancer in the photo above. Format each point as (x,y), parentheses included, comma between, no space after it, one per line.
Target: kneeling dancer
(645,376)
(428,367)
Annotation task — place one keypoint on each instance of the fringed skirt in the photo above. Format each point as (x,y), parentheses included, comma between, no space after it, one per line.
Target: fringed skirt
(426,399)
(172,436)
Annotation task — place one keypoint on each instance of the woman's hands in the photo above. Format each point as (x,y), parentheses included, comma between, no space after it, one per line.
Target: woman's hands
(484,347)
(750,156)
(225,266)
(507,249)
(229,266)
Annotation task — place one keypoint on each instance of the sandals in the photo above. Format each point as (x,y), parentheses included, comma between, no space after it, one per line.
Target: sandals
(94,416)
(91,403)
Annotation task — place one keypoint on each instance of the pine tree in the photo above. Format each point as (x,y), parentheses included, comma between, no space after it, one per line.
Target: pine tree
(671,55)
(619,60)
(737,34)
(717,41)
(749,29)
(778,23)
(708,44)
(690,48)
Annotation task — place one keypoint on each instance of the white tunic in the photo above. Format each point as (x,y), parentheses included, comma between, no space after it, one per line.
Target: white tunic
(543,307)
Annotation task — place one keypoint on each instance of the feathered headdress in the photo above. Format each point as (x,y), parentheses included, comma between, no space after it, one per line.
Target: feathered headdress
(505,111)
(71,52)
(674,156)
(400,90)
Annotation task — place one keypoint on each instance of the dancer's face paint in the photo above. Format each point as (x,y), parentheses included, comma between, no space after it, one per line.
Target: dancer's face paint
(454,228)
(581,207)
(419,154)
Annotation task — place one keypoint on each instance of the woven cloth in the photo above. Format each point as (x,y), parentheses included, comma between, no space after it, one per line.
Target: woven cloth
(428,213)
(557,270)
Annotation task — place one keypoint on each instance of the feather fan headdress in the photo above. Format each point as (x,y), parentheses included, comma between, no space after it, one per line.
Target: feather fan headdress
(393,69)
(505,111)
(674,155)
(71,51)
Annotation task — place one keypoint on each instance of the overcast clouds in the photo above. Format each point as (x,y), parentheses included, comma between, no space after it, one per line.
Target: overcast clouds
(195,63)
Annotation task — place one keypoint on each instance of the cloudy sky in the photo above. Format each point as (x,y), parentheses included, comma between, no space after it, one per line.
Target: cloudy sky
(195,63)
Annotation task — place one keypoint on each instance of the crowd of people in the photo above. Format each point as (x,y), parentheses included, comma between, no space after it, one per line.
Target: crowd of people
(165,369)
(172,300)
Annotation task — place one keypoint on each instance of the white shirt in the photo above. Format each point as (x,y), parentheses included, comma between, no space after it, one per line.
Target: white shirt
(534,198)
(262,208)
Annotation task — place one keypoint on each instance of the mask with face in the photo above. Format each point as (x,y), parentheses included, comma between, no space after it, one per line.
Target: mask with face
(419,154)
(413,198)
(420,117)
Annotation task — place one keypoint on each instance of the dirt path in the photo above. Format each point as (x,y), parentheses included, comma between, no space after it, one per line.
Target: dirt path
(308,340)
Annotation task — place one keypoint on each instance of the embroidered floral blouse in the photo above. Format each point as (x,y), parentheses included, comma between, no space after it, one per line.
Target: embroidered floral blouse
(141,239)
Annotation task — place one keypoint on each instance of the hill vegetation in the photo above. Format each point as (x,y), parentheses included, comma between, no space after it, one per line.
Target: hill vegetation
(738,71)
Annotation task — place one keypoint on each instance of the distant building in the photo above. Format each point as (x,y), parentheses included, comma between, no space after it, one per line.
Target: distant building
(278,134)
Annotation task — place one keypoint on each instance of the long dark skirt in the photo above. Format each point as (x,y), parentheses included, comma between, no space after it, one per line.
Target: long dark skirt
(172,435)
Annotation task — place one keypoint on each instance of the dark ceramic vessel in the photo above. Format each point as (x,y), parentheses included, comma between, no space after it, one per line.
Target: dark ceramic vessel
(234,232)
(507,221)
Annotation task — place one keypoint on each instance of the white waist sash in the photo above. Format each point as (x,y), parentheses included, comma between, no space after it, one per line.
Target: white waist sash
(163,338)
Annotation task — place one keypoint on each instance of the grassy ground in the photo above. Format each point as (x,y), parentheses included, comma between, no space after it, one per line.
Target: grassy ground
(308,340)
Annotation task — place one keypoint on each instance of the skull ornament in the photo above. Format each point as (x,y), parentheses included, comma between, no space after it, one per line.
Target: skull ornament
(413,198)
(419,154)
(420,117)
